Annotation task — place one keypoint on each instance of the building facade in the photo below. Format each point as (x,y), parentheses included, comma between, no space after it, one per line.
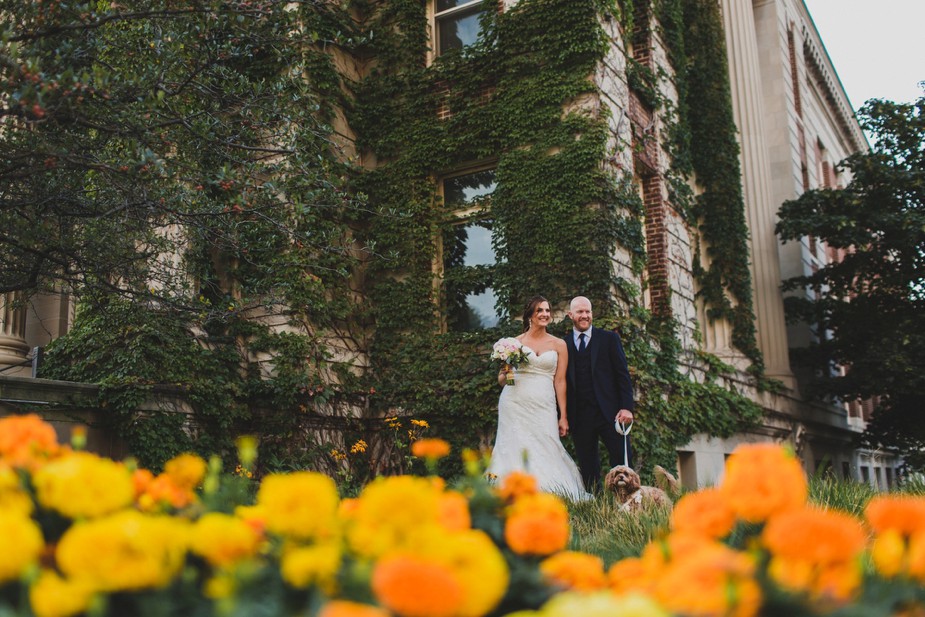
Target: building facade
(793,123)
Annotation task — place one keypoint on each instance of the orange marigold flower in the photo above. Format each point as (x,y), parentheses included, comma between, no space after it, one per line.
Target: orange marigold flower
(816,551)
(516,484)
(904,513)
(575,570)
(186,471)
(344,608)
(628,575)
(815,535)
(161,493)
(454,512)
(430,448)
(762,480)
(704,512)
(711,580)
(26,441)
(537,525)
(141,480)
(417,587)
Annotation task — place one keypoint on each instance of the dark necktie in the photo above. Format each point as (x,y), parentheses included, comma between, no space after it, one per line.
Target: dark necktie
(581,343)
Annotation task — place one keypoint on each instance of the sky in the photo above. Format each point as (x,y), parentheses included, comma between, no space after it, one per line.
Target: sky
(876,46)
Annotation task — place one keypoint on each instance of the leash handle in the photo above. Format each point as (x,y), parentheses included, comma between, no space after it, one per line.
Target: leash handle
(624,429)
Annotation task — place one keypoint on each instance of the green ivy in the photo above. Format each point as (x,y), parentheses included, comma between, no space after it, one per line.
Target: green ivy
(556,216)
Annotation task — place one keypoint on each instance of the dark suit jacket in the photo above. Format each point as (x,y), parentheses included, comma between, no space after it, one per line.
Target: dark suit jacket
(610,374)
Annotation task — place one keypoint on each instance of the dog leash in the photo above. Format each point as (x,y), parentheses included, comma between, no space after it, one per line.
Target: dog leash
(624,429)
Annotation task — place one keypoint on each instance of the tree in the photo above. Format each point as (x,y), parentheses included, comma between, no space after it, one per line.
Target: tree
(868,309)
(175,152)
(173,165)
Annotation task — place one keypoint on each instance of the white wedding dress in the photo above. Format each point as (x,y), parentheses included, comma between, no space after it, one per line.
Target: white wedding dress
(528,430)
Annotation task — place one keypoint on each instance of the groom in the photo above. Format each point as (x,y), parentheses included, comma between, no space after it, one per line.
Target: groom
(599,392)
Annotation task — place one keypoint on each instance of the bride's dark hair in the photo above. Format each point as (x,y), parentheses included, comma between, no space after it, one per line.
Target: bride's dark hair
(530,309)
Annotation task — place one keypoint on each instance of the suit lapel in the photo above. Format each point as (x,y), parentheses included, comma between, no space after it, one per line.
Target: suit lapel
(594,346)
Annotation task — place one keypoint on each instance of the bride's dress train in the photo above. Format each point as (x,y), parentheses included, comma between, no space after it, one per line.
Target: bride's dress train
(528,430)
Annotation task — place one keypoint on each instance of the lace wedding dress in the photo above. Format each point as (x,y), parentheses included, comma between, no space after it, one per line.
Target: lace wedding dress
(528,430)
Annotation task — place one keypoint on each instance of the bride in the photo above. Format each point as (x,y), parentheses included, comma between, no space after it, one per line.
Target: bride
(528,430)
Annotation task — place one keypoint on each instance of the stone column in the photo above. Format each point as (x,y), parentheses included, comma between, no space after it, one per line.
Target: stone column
(760,209)
(13,348)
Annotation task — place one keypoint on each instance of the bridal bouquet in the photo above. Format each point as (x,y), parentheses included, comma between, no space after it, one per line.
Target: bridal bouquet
(512,353)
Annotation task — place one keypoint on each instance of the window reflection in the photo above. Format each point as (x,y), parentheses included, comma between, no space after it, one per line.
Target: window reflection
(469,257)
(457,23)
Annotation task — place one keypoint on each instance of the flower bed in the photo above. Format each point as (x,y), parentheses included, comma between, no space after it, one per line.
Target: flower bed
(86,535)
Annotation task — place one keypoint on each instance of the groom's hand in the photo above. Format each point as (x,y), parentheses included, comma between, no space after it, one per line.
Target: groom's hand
(625,416)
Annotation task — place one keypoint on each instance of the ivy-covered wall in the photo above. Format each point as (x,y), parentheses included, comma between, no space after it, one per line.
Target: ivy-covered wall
(522,101)
(559,214)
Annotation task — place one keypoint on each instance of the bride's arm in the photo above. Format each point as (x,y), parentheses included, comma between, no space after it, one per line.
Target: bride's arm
(559,384)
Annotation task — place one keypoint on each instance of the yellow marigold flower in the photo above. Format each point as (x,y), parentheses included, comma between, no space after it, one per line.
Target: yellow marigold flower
(83,485)
(247,449)
(125,551)
(53,596)
(517,484)
(317,565)
(27,441)
(904,513)
(358,447)
(220,586)
(389,513)
(430,448)
(421,423)
(815,535)
(704,512)
(917,556)
(537,525)
(301,505)
(762,480)
(476,564)
(186,471)
(345,608)
(712,580)
(453,511)
(601,604)
(417,587)
(223,540)
(888,552)
(574,570)
(13,499)
(21,543)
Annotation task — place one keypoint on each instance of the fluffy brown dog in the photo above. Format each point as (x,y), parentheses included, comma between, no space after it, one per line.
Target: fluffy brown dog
(624,483)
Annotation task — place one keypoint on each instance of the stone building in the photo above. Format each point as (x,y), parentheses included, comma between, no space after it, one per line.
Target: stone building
(794,123)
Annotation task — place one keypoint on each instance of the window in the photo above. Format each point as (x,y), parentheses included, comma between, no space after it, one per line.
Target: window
(468,254)
(456,23)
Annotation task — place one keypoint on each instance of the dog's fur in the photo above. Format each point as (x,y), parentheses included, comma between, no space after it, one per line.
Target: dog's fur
(624,483)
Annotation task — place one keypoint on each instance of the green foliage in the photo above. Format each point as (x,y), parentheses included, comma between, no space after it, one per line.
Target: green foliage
(871,304)
(556,217)
(600,528)
(215,121)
